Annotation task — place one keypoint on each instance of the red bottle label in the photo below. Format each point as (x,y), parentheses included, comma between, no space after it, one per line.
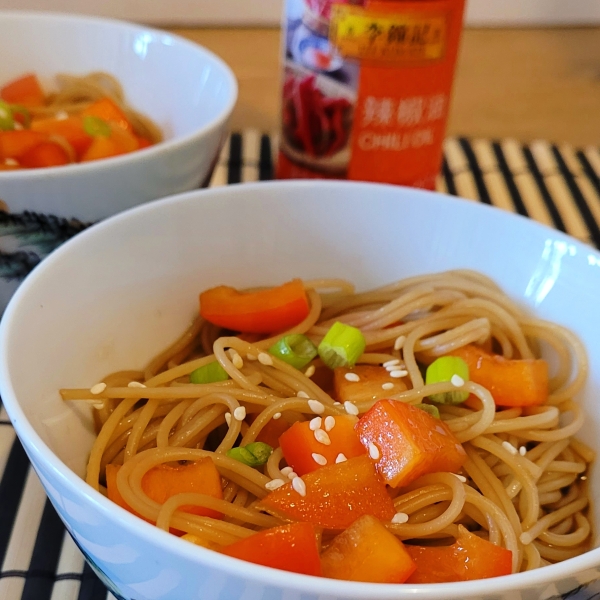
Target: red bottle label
(367,90)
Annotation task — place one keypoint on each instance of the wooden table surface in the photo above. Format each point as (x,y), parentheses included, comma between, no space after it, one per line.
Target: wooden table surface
(524,83)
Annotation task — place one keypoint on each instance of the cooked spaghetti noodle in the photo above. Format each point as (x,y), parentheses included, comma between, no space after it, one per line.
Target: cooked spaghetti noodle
(523,485)
(75,93)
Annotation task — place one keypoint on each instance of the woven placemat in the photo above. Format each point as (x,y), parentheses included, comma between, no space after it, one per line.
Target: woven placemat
(556,185)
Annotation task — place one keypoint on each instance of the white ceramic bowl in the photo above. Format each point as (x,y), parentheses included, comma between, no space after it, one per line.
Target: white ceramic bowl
(117,293)
(188,91)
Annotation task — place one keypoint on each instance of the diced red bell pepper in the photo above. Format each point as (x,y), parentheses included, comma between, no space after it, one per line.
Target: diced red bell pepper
(515,382)
(367,551)
(25,90)
(299,444)
(336,495)
(409,441)
(15,143)
(272,431)
(163,481)
(264,311)
(470,557)
(108,111)
(290,547)
(127,141)
(46,154)
(111,141)
(70,128)
(102,147)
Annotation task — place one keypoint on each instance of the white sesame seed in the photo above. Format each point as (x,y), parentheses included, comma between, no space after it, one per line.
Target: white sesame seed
(373,451)
(299,485)
(237,360)
(250,356)
(276,416)
(322,437)
(239,414)
(337,403)
(329,423)
(522,450)
(310,371)
(274,484)
(315,423)
(391,363)
(228,418)
(388,386)
(286,471)
(135,384)
(302,394)
(397,373)
(316,406)
(292,475)
(319,459)
(583,478)
(61,115)
(265,359)
(11,162)
(98,388)
(400,518)
(341,457)
(457,380)
(351,377)
(508,446)
(351,409)
(399,342)
(460,477)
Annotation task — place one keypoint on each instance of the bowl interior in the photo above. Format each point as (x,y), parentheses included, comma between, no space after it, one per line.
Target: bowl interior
(115,295)
(181,86)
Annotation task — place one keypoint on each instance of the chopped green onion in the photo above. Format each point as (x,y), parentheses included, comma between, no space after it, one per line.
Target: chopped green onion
(260,451)
(252,455)
(210,373)
(7,121)
(342,346)
(434,411)
(445,368)
(242,455)
(95,126)
(294,349)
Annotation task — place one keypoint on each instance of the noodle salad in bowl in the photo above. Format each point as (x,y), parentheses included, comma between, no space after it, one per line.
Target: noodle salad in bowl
(160,87)
(97,116)
(423,423)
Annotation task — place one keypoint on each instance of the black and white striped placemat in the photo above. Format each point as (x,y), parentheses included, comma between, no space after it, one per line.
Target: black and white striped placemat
(555,184)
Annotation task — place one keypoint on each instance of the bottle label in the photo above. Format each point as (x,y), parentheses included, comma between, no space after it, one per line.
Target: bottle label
(367,88)
(393,38)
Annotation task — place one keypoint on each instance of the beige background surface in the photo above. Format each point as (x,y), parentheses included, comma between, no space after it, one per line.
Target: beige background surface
(524,83)
(267,13)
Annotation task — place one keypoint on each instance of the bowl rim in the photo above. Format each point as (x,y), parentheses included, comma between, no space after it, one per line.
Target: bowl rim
(267,576)
(164,146)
